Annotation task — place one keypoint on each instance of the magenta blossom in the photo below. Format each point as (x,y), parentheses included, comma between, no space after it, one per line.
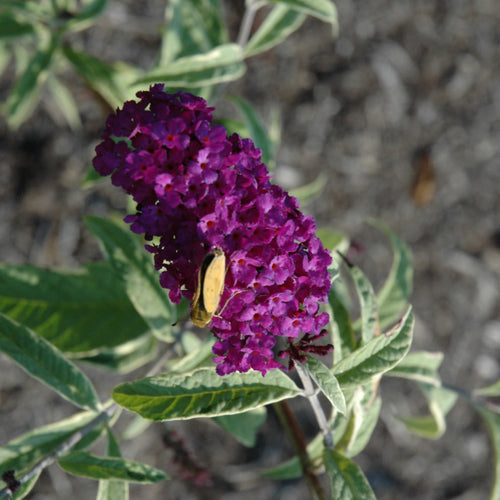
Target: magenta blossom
(197,189)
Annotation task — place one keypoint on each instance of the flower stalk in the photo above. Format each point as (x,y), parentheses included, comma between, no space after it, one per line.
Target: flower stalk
(247,22)
(296,437)
(106,414)
(312,395)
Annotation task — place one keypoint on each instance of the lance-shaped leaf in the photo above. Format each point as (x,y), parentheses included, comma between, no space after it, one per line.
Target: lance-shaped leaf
(203,393)
(199,356)
(221,64)
(394,295)
(346,479)
(11,26)
(333,240)
(311,191)
(292,469)
(322,9)
(25,451)
(280,23)
(138,273)
(24,96)
(342,333)
(421,366)
(377,356)
(244,426)
(84,18)
(192,27)
(112,489)
(82,463)
(327,382)
(432,426)
(491,390)
(126,357)
(77,311)
(493,422)
(45,362)
(361,422)
(367,302)
(111,82)
(64,100)
(256,129)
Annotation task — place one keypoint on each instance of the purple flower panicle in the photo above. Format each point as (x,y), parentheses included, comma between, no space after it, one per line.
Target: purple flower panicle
(197,189)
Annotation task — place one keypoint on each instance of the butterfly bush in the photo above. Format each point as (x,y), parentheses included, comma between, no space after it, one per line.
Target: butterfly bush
(196,189)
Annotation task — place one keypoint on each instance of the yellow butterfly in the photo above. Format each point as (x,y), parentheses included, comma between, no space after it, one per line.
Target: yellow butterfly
(210,287)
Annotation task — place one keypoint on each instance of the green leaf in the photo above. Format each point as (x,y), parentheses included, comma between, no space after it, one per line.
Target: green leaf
(203,393)
(493,422)
(113,447)
(111,82)
(421,366)
(394,295)
(5,57)
(92,177)
(327,382)
(221,64)
(440,403)
(23,452)
(280,23)
(342,333)
(112,489)
(136,427)
(362,419)
(311,191)
(64,100)
(12,27)
(367,302)
(87,15)
(24,96)
(196,358)
(333,240)
(77,311)
(255,127)
(322,9)
(46,363)
(491,390)
(82,463)
(377,356)
(291,469)
(233,126)
(244,426)
(192,27)
(138,273)
(126,357)
(346,479)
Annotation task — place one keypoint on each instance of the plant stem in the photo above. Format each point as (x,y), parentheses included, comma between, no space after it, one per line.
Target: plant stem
(311,394)
(247,21)
(106,414)
(64,447)
(296,437)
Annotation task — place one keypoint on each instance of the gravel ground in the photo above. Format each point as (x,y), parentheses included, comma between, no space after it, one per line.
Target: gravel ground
(402,115)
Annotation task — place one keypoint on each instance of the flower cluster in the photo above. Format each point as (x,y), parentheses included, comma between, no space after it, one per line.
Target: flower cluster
(196,189)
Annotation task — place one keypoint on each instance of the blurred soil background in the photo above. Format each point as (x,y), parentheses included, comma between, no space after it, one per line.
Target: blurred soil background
(401,114)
